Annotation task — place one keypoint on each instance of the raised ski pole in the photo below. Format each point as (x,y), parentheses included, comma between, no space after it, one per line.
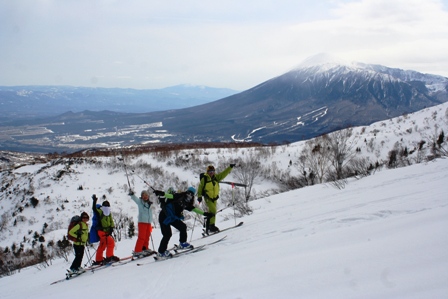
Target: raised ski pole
(142,180)
(126,171)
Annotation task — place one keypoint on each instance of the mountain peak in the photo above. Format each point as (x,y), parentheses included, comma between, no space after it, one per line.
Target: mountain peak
(324,59)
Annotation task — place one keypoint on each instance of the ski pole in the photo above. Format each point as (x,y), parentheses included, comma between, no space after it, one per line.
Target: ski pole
(192,230)
(142,180)
(152,242)
(233,201)
(219,211)
(126,171)
(234,184)
(89,256)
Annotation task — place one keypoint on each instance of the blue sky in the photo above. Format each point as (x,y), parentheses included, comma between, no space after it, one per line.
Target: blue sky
(235,44)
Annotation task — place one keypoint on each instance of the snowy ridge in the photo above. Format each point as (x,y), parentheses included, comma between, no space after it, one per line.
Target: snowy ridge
(325,63)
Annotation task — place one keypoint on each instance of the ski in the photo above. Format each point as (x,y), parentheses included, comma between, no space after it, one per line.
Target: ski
(208,234)
(92,269)
(133,259)
(181,252)
(178,253)
(69,275)
(108,264)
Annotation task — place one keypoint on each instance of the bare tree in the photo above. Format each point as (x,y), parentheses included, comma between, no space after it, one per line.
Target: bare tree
(315,158)
(4,220)
(121,221)
(439,145)
(341,150)
(247,171)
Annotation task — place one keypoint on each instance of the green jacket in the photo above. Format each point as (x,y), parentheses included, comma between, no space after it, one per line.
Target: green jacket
(211,189)
(83,235)
(106,223)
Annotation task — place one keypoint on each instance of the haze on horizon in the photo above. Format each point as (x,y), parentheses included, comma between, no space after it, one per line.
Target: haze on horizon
(150,44)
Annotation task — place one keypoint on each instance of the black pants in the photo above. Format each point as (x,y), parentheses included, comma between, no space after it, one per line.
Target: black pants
(166,232)
(79,254)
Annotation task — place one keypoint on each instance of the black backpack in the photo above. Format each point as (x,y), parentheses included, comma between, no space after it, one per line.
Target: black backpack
(202,176)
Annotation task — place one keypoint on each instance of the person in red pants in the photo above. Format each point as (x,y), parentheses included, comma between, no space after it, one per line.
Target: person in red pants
(144,223)
(105,228)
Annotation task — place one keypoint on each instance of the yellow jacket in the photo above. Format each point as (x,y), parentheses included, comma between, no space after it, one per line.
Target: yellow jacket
(83,235)
(209,186)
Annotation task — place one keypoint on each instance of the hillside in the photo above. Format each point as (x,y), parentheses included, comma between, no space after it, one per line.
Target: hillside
(381,237)
(339,222)
(57,183)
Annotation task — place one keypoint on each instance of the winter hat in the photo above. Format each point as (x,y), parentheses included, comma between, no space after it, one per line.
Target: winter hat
(106,203)
(85,215)
(192,190)
(210,168)
(144,192)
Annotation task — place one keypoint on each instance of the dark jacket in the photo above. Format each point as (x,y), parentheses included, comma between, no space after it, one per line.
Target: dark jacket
(174,204)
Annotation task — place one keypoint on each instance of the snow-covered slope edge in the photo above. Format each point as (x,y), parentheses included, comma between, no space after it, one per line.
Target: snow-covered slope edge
(381,237)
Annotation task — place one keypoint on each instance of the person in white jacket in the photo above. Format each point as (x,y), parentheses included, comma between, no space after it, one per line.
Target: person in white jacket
(144,222)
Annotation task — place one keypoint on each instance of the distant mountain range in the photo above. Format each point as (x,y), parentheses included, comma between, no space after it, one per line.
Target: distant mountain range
(43,101)
(319,96)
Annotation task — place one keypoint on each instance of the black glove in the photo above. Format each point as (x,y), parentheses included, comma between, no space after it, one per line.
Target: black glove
(159,193)
(208,215)
(232,165)
(199,198)
(131,192)
(94,197)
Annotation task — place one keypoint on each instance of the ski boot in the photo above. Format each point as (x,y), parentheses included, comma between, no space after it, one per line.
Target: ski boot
(163,256)
(185,245)
(214,228)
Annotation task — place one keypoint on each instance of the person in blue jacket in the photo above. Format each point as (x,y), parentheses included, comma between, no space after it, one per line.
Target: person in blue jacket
(93,235)
(173,204)
(144,222)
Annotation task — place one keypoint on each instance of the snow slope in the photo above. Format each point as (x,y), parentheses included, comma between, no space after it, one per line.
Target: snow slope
(384,236)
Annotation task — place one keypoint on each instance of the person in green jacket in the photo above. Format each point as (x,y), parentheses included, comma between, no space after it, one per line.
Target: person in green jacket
(106,227)
(209,189)
(81,232)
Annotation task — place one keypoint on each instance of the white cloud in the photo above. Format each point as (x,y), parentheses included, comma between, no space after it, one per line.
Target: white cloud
(221,43)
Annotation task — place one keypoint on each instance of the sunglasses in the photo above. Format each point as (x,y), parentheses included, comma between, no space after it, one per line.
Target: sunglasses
(211,171)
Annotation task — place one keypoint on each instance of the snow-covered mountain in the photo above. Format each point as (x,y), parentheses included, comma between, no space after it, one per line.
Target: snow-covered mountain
(328,66)
(320,96)
(383,236)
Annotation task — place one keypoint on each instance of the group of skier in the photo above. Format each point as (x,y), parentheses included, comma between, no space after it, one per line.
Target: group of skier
(172,205)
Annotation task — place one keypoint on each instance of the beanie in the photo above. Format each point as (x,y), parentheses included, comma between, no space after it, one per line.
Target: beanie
(106,203)
(192,190)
